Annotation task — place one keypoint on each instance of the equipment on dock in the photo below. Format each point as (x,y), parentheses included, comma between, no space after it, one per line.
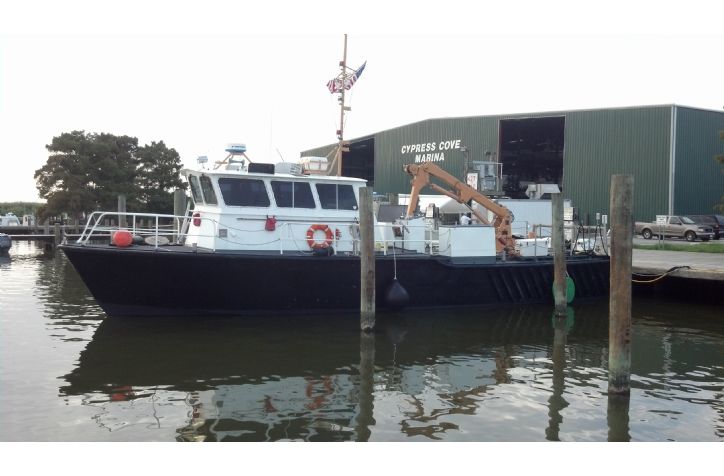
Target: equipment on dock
(464,194)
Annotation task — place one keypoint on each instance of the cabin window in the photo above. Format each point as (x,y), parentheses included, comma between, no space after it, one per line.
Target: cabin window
(336,197)
(195,189)
(208,190)
(244,192)
(293,194)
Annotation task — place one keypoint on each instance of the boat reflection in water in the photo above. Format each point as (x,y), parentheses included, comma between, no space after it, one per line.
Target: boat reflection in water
(505,375)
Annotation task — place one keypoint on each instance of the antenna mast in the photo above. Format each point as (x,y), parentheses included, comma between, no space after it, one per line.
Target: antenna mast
(341,146)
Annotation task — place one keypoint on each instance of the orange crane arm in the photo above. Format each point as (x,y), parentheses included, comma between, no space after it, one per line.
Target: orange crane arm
(462,193)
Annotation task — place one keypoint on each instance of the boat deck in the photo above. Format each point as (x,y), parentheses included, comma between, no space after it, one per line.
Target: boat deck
(391,253)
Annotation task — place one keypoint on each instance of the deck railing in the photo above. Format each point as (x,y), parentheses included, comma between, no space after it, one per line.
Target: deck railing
(291,236)
(103,224)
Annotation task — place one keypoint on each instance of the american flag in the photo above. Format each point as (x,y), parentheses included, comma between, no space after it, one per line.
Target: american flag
(335,84)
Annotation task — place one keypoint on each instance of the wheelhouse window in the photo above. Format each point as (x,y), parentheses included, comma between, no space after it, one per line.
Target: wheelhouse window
(208,190)
(195,189)
(293,194)
(336,197)
(244,192)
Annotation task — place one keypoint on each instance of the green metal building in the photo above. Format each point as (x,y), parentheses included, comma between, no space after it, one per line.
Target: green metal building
(669,149)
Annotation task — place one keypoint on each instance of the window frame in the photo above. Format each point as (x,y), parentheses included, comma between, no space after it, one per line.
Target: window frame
(210,189)
(294,184)
(336,186)
(243,179)
(195,189)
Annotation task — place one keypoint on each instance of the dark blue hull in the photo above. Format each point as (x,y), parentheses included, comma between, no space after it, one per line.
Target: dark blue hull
(143,281)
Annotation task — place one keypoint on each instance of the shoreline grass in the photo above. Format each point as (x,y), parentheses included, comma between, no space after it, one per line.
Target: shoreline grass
(693,248)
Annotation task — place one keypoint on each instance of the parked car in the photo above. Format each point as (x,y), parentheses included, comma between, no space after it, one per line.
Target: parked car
(708,220)
(674,226)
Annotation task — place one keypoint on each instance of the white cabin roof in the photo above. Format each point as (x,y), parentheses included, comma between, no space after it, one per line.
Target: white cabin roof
(258,175)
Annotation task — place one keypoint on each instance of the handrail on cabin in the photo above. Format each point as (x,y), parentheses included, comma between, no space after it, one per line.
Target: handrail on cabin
(95,226)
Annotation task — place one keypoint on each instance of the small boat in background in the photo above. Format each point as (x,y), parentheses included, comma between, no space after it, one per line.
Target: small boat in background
(5,243)
(9,219)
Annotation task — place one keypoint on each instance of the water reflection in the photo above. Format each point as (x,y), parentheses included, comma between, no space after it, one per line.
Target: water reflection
(556,404)
(505,375)
(67,301)
(618,417)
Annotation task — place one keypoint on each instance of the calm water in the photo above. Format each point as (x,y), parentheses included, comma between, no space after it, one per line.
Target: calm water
(67,373)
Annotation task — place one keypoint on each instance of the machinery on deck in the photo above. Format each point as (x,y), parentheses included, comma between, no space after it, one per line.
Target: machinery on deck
(462,193)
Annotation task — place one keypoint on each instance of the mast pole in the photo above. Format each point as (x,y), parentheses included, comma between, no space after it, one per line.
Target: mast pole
(340,132)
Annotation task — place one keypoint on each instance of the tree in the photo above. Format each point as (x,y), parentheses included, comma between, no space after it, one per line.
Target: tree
(87,171)
(157,175)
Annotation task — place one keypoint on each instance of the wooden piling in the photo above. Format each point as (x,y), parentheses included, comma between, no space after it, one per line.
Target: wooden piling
(57,235)
(558,244)
(619,330)
(179,210)
(121,210)
(179,202)
(367,260)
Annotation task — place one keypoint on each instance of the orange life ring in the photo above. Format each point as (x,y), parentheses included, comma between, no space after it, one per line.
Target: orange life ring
(328,236)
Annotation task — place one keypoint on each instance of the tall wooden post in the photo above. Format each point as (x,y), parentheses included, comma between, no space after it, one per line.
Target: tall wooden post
(619,329)
(57,235)
(367,260)
(179,209)
(121,210)
(558,243)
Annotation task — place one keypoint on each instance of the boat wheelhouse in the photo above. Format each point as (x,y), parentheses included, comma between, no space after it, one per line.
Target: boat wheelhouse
(244,210)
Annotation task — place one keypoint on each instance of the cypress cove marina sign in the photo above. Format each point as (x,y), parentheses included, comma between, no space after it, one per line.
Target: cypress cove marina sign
(430,151)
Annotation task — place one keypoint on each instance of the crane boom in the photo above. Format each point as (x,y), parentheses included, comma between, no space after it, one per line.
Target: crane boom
(462,193)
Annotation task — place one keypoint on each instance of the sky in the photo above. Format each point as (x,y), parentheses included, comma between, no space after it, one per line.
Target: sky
(201,77)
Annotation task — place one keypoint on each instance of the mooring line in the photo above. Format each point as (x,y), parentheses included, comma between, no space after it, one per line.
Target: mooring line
(658,277)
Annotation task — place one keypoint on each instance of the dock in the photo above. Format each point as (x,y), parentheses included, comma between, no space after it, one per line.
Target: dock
(51,236)
(706,266)
(689,276)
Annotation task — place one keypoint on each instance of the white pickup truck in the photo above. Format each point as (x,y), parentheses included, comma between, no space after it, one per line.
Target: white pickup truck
(679,226)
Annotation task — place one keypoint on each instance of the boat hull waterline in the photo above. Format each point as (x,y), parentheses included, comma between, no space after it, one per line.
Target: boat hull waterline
(178,281)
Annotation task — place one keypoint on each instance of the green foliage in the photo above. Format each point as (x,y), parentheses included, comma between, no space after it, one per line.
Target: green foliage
(20,208)
(87,172)
(158,174)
